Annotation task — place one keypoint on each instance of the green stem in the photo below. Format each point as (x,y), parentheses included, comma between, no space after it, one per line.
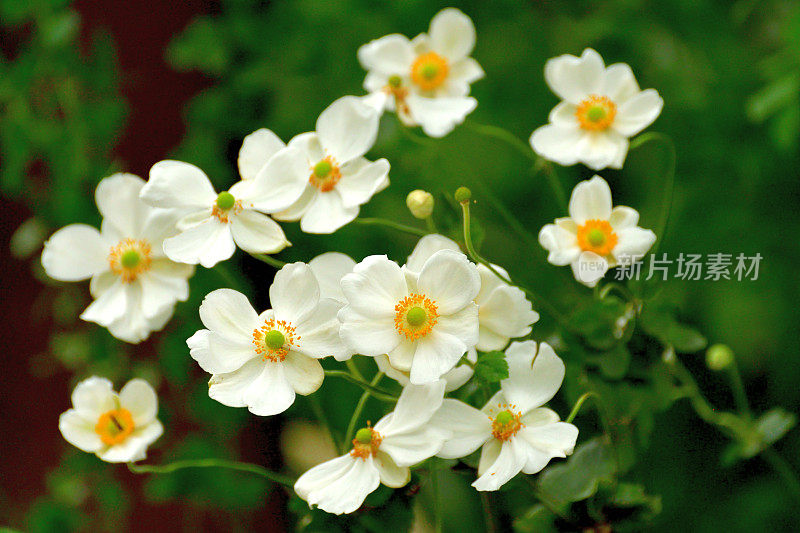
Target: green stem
(437,509)
(508,217)
(503,135)
(377,392)
(585,396)
(668,186)
(353,368)
(212,463)
(783,468)
(390,224)
(351,426)
(431,225)
(739,393)
(268,259)
(554,181)
(322,418)
(488,512)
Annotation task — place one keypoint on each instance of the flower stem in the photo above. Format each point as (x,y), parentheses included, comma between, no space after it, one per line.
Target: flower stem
(739,393)
(212,463)
(268,259)
(431,225)
(377,392)
(351,426)
(437,506)
(783,468)
(503,135)
(488,512)
(585,396)
(391,224)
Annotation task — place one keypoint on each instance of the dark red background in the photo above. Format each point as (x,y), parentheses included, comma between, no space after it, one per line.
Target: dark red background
(29,408)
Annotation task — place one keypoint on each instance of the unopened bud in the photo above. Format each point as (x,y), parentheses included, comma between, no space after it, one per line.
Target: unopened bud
(420,203)
(719,357)
(463,195)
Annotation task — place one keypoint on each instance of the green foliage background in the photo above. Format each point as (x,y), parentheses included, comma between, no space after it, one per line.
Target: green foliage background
(728,73)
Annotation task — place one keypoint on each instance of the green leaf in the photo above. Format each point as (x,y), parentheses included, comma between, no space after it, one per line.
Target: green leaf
(658,320)
(597,322)
(581,475)
(491,367)
(537,519)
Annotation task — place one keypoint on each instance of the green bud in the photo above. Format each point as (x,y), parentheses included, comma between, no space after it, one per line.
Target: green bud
(395,81)
(504,417)
(225,200)
(416,316)
(719,357)
(130,259)
(274,339)
(463,195)
(420,203)
(323,168)
(364,435)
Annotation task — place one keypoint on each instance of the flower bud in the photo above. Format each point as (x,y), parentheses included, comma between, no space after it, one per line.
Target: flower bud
(719,357)
(420,203)
(463,195)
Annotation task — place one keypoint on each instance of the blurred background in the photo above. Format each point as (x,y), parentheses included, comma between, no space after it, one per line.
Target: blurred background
(89,88)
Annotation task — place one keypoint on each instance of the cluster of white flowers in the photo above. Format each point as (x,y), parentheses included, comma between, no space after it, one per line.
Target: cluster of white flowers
(425,323)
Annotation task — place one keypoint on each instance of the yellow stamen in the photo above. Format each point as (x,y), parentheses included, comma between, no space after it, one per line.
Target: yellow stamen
(597,236)
(507,422)
(274,339)
(596,113)
(415,316)
(114,426)
(429,71)
(366,443)
(325,174)
(130,258)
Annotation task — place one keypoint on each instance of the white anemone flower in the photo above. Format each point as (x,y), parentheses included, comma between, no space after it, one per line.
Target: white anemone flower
(256,151)
(602,108)
(516,433)
(262,361)
(381,454)
(504,312)
(426,81)
(134,286)
(117,428)
(214,224)
(324,171)
(453,379)
(424,325)
(595,236)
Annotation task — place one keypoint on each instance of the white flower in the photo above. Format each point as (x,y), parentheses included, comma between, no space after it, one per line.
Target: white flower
(595,237)
(503,311)
(602,107)
(427,80)
(516,433)
(214,224)
(256,151)
(135,287)
(424,324)
(329,269)
(262,361)
(380,454)
(325,171)
(117,428)
(453,379)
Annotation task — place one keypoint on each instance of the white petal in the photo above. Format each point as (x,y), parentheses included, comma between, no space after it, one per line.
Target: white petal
(391,475)
(534,376)
(589,268)
(94,396)
(111,305)
(598,150)
(489,454)
(590,200)
(559,143)
(132,449)
(633,242)
(619,83)
(458,376)
(79,431)
(280,182)
(139,398)
(543,443)
(160,289)
(470,428)
(294,294)
(389,55)
(228,389)
(438,116)
(326,213)
(561,244)
(509,463)
(413,447)
(228,313)
(117,199)
(415,407)
(462,324)
(304,374)
(507,313)
(161,224)
(219,360)
(319,334)
(330,268)
(452,34)
(638,112)
(623,217)
(347,128)
(450,279)
(436,354)
(271,392)
(257,148)
(401,357)
(257,233)
(461,74)
(207,243)
(367,336)
(361,180)
(573,78)
(339,485)
(178,184)
(75,252)
(426,247)
(296,211)
(375,286)
(382,361)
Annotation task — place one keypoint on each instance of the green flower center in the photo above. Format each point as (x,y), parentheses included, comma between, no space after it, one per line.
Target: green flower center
(596,113)
(130,259)
(323,168)
(225,200)
(429,71)
(364,435)
(395,81)
(596,237)
(504,418)
(274,339)
(416,316)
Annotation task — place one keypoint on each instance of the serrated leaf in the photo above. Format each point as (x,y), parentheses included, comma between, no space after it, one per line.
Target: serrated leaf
(491,367)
